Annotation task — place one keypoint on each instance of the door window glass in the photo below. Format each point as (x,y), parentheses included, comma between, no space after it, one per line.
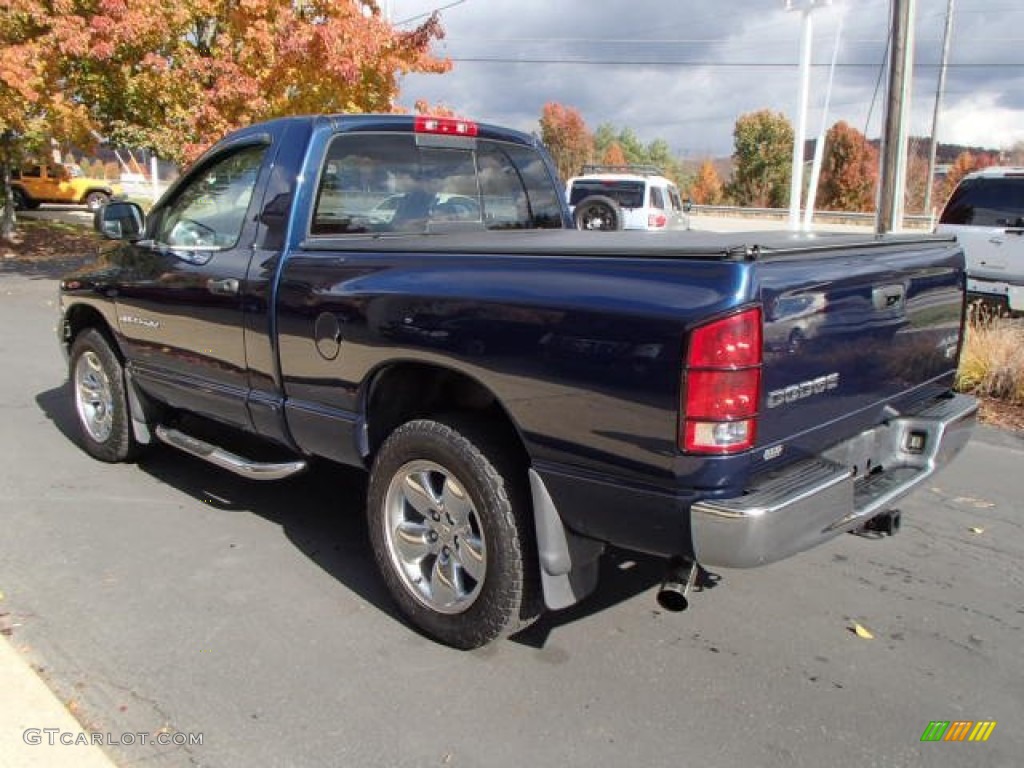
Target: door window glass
(677,202)
(210,209)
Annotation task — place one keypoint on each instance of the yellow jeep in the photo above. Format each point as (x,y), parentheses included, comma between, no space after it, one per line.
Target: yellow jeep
(59,183)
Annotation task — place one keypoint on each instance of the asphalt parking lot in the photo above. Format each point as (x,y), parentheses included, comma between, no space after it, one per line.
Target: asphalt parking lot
(170,596)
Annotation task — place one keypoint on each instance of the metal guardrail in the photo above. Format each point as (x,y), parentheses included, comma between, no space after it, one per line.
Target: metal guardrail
(910,221)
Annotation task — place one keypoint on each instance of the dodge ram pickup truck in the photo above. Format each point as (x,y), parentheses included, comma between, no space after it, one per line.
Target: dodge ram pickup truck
(408,295)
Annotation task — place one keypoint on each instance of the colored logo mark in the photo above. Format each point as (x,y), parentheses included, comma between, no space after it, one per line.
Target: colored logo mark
(958,730)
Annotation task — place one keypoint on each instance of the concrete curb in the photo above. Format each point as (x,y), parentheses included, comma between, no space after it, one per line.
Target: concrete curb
(27,706)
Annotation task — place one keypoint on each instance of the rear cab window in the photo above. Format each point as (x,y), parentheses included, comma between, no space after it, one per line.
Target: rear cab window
(372,182)
(987,202)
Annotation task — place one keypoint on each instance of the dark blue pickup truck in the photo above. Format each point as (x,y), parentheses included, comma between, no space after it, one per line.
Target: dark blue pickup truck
(407,295)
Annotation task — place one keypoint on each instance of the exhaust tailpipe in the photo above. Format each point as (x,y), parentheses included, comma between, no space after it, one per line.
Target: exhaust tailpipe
(674,593)
(885,524)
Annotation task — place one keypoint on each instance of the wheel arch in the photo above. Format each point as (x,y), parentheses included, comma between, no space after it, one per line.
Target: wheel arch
(105,191)
(399,391)
(80,317)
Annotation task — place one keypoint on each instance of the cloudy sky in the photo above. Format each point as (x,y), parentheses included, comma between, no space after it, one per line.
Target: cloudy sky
(684,71)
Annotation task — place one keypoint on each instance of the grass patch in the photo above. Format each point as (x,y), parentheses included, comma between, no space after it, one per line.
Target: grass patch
(992,362)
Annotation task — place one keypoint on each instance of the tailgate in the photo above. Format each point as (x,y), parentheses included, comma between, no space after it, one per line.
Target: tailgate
(853,337)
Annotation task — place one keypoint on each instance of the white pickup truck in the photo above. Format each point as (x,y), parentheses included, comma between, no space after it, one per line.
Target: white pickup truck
(986,213)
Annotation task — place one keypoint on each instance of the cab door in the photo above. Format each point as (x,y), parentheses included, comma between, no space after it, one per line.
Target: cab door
(179,302)
(677,214)
(62,187)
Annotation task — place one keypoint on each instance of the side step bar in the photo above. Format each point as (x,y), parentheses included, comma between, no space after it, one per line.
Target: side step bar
(253,470)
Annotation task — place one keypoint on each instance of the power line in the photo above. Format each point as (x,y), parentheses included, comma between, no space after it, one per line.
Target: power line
(722,64)
(419,16)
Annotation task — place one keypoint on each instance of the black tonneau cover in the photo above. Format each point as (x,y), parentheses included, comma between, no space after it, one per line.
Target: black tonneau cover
(654,245)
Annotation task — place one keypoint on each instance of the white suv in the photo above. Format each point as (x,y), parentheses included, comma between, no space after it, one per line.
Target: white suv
(986,213)
(610,197)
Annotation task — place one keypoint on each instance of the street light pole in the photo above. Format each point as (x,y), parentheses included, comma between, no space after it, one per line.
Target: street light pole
(797,173)
(940,89)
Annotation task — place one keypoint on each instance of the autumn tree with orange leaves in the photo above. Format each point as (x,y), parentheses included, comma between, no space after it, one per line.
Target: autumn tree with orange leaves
(849,172)
(565,134)
(965,163)
(614,155)
(707,188)
(175,75)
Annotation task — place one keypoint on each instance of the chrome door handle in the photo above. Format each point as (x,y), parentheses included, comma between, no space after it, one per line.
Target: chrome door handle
(226,287)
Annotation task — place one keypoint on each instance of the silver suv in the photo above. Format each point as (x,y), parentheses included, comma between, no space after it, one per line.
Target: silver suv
(611,197)
(986,213)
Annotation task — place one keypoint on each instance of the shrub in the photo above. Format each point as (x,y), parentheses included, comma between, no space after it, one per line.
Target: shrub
(992,362)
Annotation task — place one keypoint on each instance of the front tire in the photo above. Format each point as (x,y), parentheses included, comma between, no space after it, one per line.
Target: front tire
(449,521)
(96,200)
(100,399)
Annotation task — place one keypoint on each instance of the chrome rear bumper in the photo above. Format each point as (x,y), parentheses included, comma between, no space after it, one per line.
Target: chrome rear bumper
(809,502)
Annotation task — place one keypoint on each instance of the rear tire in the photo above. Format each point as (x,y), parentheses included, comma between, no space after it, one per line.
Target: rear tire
(100,399)
(451,529)
(21,200)
(598,213)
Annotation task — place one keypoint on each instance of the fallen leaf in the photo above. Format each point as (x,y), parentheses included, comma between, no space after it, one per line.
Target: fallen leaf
(863,632)
(1,595)
(976,529)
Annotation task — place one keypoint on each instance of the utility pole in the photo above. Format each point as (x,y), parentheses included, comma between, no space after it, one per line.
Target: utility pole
(939,91)
(897,110)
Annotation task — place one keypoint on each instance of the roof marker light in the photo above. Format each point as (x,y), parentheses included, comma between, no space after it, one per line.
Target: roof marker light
(448,126)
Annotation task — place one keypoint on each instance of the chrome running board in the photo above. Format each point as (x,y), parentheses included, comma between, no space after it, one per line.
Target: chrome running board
(253,470)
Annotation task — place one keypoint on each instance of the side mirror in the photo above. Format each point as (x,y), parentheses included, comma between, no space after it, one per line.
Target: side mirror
(688,205)
(120,221)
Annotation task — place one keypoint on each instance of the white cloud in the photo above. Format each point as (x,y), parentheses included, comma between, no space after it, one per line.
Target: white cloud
(979,121)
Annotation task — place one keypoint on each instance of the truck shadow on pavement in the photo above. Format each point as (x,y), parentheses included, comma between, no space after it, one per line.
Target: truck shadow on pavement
(321,514)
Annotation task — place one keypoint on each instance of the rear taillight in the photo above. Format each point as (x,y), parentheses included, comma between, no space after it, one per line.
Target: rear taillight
(722,385)
(656,220)
(448,126)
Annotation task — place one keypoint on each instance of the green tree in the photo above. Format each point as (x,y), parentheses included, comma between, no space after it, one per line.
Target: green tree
(565,134)
(635,152)
(762,154)
(849,172)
